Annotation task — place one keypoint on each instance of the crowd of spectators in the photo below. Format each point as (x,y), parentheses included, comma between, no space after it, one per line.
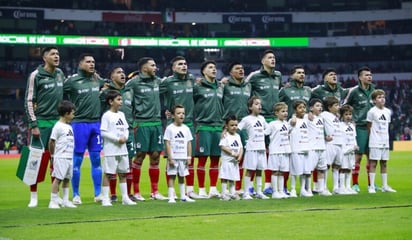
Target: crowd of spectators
(13,129)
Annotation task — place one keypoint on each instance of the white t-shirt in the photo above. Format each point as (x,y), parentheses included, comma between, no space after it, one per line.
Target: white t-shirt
(62,133)
(379,133)
(278,132)
(178,136)
(316,132)
(255,127)
(299,136)
(349,137)
(332,127)
(233,142)
(112,127)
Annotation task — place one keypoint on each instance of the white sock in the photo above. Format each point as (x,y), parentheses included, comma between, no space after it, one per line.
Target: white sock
(308,183)
(293,182)
(213,189)
(247,184)
(335,176)
(54,196)
(267,185)
(105,191)
(325,186)
(384,179)
(258,184)
(274,180)
(33,195)
(372,179)
(341,180)
(189,189)
(232,188)
(171,192)
(65,194)
(224,189)
(182,191)
(281,182)
(302,179)
(321,184)
(348,177)
(123,190)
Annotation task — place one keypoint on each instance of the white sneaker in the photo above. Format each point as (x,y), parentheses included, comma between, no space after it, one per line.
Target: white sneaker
(388,189)
(127,201)
(304,193)
(261,196)
(139,197)
(59,200)
(371,189)
(293,193)
(77,200)
(171,200)
(277,195)
(246,197)
(68,204)
(157,196)
(33,203)
(284,195)
(106,202)
(203,194)
(98,198)
(235,197)
(53,204)
(325,193)
(349,190)
(187,199)
(215,194)
(192,195)
(225,197)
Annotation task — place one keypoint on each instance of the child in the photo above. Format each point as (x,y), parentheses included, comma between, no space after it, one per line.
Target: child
(114,130)
(61,146)
(232,152)
(317,150)
(378,119)
(279,149)
(333,132)
(348,149)
(178,143)
(300,164)
(255,154)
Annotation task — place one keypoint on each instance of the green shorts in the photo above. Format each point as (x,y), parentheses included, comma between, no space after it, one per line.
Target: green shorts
(45,133)
(362,139)
(207,143)
(149,138)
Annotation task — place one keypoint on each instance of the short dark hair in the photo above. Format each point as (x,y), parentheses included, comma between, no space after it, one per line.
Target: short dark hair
(142,61)
(327,71)
(111,95)
(65,107)
(232,64)
(251,100)
(84,55)
(175,59)
(364,68)
(230,118)
(266,52)
(329,101)
(112,71)
(204,64)
(345,108)
(45,50)
(172,111)
(298,102)
(313,101)
(294,68)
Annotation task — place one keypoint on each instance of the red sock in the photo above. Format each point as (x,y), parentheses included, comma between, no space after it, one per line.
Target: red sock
(136,169)
(113,183)
(154,177)
(268,176)
(214,170)
(33,188)
(190,179)
(315,176)
(201,172)
(239,183)
(367,173)
(129,180)
(355,174)
(286,177)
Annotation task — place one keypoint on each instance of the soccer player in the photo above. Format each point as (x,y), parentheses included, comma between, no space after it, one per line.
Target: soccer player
(265,84)
(43,94)
(83,89)
(149,132)
(114,130)
(317,152)
(118,81)
(61,145)
(208,95)
(232,153)
(300,164)
(279,149)
(348,149)
(359,98)
(236,94)
(178,89)
(178,142)
(333,132)
(255,155)
(378,120)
